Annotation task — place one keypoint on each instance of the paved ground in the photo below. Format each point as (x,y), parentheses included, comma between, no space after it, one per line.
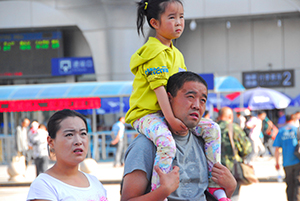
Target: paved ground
(267,189)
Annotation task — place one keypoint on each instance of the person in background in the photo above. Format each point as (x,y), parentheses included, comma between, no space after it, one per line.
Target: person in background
(206,114)
(34,126)
(255,126)
(297,119)
(241,120)
(118,129)
(269,131)
(63,181)
(281,118)
(38,141)
(241,141)
(287,140)
(22,139)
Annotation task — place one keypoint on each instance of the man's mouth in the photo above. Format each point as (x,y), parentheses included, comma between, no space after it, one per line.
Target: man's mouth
(194,114)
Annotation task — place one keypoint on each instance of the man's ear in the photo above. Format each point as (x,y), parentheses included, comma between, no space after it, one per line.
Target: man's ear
(154,23)
(170,97)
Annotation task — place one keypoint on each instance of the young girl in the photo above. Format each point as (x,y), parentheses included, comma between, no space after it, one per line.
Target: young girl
(68,138)
(150,112)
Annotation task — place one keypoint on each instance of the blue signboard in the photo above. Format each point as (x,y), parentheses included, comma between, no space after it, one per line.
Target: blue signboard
(72,66)
(209,78)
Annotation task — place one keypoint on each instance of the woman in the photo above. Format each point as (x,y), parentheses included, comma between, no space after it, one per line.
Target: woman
(68,138)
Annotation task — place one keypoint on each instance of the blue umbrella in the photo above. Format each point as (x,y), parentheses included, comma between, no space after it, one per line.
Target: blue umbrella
(262,99)
(296,101)
(213,99)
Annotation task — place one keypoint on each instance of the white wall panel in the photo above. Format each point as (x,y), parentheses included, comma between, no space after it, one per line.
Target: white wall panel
(240,46)
(292,43)
(191,46)
(14,15)
(214,47)
(268,45)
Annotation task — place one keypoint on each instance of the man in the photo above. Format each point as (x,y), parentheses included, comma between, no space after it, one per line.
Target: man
(241,120)
(118,131)
(241,141)
(22,139)
(255,125)
(187,94)
(287,140)
(281,118)
(38,141)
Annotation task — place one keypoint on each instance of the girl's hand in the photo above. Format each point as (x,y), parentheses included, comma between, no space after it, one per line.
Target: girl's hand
(169,182)
(177,126)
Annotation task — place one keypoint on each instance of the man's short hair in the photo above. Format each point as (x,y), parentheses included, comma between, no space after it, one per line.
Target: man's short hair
(177,80)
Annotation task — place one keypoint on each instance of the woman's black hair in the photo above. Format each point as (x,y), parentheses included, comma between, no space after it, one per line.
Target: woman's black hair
(150,9)
(54,122)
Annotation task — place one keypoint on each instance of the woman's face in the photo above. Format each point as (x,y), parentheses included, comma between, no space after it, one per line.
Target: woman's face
(71,142)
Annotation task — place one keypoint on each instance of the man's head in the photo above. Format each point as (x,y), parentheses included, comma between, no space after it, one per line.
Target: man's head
(25,122)
(261,115)
(226,114)
(122,119)
(187,92)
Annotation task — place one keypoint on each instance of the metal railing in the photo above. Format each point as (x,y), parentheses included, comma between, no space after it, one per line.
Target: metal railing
(99,145)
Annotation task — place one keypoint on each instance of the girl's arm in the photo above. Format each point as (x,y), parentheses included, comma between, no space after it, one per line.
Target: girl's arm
(163,100)
(135,184)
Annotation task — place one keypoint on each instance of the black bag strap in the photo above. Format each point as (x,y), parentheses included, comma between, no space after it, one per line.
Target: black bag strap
(230,135)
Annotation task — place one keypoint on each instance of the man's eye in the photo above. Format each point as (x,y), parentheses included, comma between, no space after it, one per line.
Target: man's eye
(83,133)
(69,134)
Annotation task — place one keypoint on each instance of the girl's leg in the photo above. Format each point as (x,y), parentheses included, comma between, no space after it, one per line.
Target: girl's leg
(210,131)
(154,127)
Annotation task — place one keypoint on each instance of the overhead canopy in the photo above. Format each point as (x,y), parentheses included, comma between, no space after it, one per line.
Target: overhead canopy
(227,84)
(66,90)
(17,98)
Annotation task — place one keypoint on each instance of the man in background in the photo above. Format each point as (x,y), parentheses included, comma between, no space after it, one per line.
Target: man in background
(287,140)
(22,139)
(118,130)
(241,141)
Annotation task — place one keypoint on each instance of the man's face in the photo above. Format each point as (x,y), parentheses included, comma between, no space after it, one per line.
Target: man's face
(189,103)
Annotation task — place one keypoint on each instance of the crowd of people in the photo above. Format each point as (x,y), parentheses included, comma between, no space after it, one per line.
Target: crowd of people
(31,142)
(177,155)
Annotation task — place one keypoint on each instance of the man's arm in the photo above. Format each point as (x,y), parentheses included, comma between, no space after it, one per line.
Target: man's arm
(276,154)
(116,140)
(135,185)
(222,176)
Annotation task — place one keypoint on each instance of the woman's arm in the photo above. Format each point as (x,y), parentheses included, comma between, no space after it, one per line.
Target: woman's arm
(136,182)
(163,100)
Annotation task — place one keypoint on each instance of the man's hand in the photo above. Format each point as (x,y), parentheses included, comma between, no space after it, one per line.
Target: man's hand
(168,181)
(177,126)
(277,166)
(222,176)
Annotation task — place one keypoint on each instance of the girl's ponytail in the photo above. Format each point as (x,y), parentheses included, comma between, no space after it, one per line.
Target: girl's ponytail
(141,13)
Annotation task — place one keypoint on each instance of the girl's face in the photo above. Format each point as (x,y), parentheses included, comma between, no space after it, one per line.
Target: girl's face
(71,142)
(171,23)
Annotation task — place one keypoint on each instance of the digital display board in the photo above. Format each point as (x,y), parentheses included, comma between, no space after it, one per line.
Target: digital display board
(29,54)
(269,79)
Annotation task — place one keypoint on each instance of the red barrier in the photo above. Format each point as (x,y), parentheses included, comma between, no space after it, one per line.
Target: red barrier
(49,104)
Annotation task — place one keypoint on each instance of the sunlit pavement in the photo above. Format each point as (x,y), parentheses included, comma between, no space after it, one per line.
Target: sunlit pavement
(267,189)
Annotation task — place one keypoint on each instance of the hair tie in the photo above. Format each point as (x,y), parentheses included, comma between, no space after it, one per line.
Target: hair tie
(146,5)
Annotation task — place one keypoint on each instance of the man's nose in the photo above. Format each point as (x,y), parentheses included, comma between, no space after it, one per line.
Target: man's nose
(196,105)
